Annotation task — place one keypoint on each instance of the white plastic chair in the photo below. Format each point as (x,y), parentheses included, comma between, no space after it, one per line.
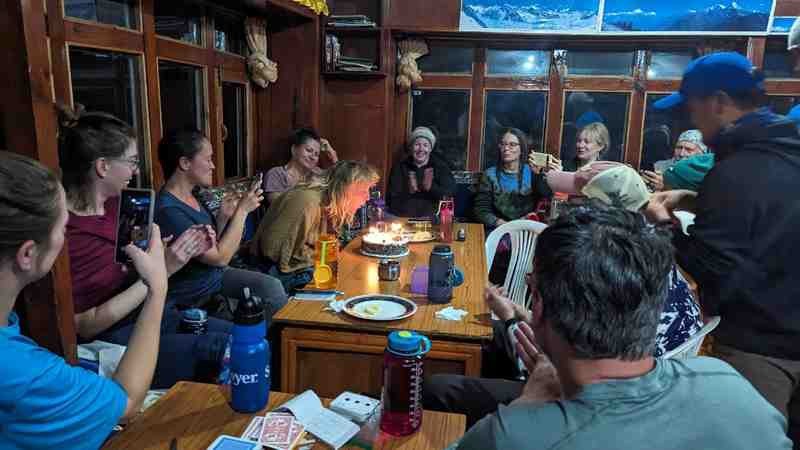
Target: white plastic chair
(523,234)
(691,348)
(686,218)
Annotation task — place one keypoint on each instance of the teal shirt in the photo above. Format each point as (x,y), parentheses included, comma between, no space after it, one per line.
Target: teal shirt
(696,404)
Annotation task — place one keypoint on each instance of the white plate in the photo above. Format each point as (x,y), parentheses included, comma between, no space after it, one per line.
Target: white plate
(380,307)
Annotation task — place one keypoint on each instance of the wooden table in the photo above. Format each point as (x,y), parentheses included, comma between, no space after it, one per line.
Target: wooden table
(196,414)
(331,352)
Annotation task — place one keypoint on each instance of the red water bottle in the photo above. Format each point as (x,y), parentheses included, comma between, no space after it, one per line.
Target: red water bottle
(446,212)
(401,398)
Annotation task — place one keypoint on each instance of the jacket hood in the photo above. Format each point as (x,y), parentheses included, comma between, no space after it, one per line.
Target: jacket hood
(762,130)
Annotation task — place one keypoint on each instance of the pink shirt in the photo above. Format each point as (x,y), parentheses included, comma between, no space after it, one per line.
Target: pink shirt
(95,276)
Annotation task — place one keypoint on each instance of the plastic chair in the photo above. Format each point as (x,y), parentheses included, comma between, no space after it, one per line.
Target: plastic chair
(686,219)
(523,243)
(691,348)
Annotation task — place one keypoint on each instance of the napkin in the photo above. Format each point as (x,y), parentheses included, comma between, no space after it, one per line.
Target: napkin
(335,306)
(451,313)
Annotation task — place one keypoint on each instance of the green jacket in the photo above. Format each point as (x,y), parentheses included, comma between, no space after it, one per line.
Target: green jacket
(508,196)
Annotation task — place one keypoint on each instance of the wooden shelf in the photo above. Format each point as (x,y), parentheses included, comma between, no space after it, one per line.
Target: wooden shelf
(355,75)
(353,31)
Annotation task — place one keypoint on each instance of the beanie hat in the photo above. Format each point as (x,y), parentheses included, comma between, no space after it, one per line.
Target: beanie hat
(422,132)
(689,173)
(695,137)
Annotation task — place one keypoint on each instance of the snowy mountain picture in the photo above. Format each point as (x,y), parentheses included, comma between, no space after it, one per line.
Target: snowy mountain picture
(687,16)
(782,24)
(530,15)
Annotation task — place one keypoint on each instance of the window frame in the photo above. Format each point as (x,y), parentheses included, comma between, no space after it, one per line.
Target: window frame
(64,31)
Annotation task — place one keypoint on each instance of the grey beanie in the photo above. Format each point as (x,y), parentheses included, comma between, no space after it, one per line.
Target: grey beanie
(422,132)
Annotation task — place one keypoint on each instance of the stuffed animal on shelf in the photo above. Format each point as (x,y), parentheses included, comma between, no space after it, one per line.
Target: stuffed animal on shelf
(262,70)
(408,72)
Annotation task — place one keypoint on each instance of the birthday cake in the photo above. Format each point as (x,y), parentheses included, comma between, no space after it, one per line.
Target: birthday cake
(384,244)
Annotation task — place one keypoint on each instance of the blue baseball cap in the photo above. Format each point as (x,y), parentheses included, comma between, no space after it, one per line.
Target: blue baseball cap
(726,71)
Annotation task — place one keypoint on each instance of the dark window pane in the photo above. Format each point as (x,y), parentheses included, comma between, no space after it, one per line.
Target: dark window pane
(668,64)
(583,108)
(181,96)
(599,63)
(782,104)
(178,20)
(518,62)
(447,59)
(446,111)
(661,129)
(778,63)
(3,142)
(526,110)
(122,13)
(229,35)
(110,82)
(234,118)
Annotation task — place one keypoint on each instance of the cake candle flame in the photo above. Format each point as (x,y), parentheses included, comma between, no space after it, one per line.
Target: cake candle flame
(396,227)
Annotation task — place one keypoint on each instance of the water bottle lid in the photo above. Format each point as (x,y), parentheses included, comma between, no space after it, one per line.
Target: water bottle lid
(405,342)
(195,315)
(442,250)
(249,311)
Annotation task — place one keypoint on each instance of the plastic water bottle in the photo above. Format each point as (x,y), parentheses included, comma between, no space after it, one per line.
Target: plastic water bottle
(401,397)
(249,358)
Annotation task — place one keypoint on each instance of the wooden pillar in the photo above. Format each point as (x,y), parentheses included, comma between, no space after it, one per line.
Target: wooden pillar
(31,125)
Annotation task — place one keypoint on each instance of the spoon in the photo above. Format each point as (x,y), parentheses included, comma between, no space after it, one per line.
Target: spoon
(323,272)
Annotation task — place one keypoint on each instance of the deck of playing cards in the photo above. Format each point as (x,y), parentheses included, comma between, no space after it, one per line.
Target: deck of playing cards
(276,430)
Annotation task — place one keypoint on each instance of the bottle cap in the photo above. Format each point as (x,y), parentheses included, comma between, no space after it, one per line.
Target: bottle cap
(405,342)
(249,311)
(442,250)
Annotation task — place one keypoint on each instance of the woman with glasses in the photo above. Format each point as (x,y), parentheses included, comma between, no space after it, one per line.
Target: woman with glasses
(511,189)
(418,183)
(99,158)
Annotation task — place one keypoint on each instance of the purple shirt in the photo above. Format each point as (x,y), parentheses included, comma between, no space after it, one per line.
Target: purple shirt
(277,179)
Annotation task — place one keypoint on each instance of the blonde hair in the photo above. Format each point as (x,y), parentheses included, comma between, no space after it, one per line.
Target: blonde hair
(597,132)
(334,182)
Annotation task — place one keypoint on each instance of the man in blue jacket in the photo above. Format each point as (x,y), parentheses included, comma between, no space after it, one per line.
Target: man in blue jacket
(743,246)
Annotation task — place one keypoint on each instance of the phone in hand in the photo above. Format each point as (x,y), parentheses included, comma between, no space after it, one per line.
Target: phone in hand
(134,221)
(540,159)
(257,181)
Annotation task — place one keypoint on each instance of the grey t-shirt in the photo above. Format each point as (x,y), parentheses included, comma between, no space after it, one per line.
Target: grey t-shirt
(696,404)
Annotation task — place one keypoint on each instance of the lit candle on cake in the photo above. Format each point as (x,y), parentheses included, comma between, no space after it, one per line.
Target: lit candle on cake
(396,228)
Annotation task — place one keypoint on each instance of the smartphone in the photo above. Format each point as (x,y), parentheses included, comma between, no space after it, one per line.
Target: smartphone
(540,159)
(134,221)
(257,180)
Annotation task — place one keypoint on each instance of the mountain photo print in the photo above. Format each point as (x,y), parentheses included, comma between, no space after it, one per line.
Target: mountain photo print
(551,16)
(696,16)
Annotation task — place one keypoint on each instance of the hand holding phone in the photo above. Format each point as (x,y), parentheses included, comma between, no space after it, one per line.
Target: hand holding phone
(134,221)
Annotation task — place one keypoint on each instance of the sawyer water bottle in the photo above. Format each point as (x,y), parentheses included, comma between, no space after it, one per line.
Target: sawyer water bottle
(249,363)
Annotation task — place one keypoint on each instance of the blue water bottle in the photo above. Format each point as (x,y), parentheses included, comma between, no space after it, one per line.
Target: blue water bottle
(249,364)
(442,275)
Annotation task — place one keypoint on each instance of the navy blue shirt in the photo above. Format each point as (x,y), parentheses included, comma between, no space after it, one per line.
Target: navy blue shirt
(196,281)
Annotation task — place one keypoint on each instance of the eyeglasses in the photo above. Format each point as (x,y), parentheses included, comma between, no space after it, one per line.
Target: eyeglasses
(133,162)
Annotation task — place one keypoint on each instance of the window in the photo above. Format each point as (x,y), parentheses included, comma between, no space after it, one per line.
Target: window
(526,110)
(779,63)
(109,81)
(668,65)
(122,13)
(661,129)
(583,108)
(599,63)
(179,20)
(782,104)
(447,59)
(234,118)
(3,142)
(229,34)
(517,62)
(446,112)
(182,102)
